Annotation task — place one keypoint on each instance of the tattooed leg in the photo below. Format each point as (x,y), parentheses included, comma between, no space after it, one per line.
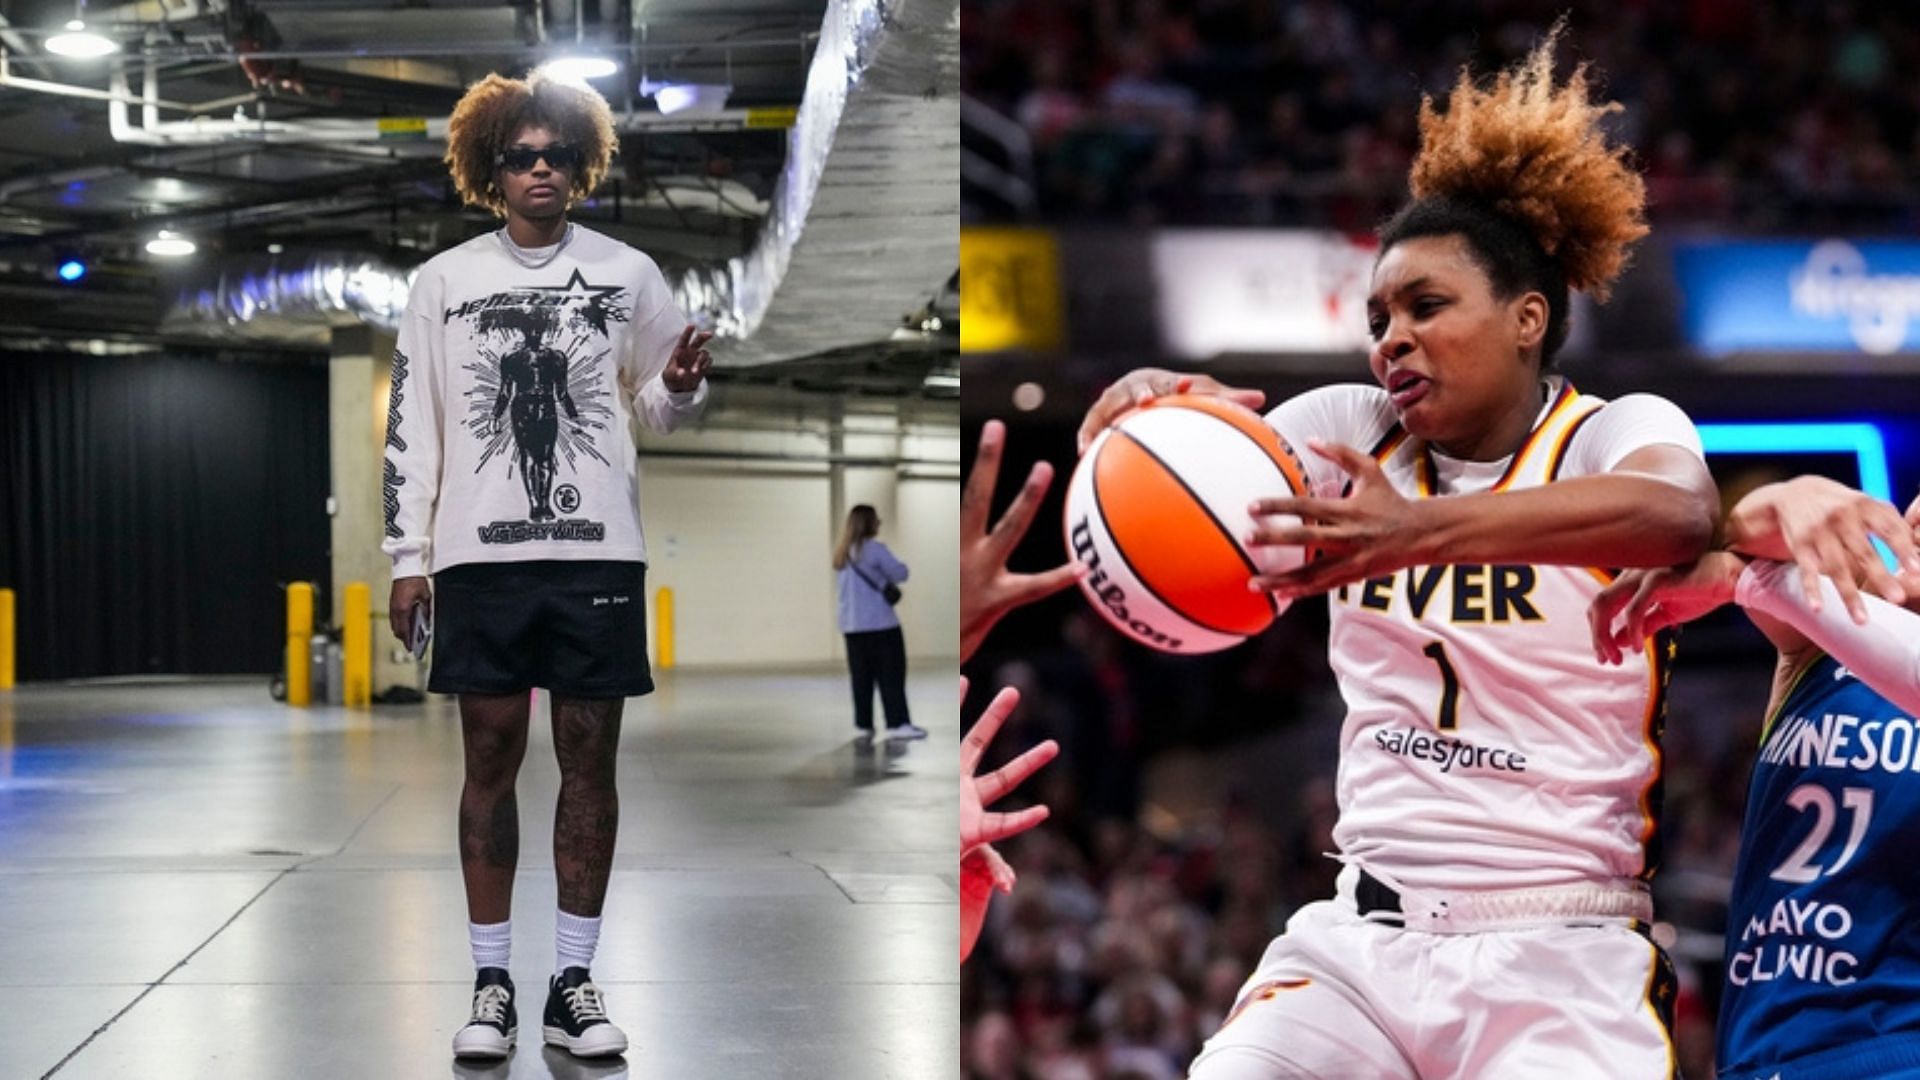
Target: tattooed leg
(586,738)
(494,729)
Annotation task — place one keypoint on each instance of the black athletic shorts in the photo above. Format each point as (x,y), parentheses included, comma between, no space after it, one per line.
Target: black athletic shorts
(573,628)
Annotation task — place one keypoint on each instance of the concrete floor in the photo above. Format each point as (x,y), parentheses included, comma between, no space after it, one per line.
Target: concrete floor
(196,881)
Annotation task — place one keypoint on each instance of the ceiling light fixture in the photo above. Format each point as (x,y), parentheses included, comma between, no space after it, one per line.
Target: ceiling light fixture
(171,245)
(80,43)
(691,98)
(580,68)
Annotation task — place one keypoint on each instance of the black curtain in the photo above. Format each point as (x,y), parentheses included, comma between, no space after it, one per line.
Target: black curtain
(155,506)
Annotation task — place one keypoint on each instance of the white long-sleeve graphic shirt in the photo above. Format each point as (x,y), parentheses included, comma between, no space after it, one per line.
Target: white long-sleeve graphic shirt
(507,427)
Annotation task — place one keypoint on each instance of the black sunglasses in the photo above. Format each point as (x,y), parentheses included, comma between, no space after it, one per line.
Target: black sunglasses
(558,156)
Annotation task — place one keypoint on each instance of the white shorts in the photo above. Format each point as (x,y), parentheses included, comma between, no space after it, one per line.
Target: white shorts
(1338,997)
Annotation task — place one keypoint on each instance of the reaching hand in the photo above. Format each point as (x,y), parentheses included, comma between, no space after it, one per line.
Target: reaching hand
(689,362)
(1136,388)
(1646,601)
(1827,529)
(988,589)
(1372,531)
(977,825)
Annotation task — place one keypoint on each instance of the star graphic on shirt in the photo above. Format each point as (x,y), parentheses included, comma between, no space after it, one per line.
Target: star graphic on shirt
(577,286)
(604,303)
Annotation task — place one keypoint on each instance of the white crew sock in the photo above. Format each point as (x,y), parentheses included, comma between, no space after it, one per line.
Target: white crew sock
(491,943)
(574,940)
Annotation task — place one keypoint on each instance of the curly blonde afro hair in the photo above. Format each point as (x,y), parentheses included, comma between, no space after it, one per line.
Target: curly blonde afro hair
(1535,153)
(495,109)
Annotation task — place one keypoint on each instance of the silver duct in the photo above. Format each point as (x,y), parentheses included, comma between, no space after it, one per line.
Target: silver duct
(296,300)
(886,74)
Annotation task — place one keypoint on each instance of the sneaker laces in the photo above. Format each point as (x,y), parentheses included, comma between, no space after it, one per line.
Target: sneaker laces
(490,1005)
(584,1001)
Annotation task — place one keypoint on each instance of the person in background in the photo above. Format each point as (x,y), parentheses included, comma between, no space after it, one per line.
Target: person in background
(869,578)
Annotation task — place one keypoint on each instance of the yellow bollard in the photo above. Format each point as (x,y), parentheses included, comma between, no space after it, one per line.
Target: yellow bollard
(663,627)
(6,639)
(299,640)
(356,646)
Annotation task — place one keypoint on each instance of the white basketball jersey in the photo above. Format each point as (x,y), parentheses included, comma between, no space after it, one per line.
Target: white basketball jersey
(1484,747)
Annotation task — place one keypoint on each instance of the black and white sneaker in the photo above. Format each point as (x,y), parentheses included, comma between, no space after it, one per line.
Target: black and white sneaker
(490,1033)
(576,1018)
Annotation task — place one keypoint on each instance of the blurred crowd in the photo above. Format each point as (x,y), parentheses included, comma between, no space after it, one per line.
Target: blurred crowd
(1192,805)
(1776,114)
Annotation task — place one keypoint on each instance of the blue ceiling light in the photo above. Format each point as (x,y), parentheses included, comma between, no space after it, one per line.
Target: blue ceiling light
(72,270)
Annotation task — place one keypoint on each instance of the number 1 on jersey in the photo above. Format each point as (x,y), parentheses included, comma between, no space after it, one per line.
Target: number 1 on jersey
(1449,686)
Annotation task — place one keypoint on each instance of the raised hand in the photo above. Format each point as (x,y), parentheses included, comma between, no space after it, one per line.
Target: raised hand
(1827,529)
(978,825)
(1370,532)
(689,362)
(988,589)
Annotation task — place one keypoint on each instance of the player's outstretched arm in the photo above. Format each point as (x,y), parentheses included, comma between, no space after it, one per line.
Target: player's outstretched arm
(1140,386)
(1826,528)
(1658,507)
(988,589)
(1648,600)
(1883,651)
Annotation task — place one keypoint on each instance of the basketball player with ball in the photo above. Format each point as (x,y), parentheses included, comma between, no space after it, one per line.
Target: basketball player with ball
(1499,788)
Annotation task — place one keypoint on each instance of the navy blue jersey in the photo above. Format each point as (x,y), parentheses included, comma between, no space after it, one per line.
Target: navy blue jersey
(1823,942)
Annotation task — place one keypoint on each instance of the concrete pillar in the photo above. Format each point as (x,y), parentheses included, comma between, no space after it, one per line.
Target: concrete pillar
(359,375)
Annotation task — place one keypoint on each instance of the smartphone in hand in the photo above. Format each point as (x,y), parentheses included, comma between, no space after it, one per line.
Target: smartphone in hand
(419,631)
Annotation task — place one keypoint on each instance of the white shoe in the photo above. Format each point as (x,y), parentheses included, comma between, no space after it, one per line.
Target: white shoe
(906,731)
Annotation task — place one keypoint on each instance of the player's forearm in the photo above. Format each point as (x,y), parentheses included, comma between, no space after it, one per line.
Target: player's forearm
(1615,520)
(1884,653)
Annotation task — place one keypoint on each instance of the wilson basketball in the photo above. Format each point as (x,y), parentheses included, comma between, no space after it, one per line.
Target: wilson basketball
(1157,510)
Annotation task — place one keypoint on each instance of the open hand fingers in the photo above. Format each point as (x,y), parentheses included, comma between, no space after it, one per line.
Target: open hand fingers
(996,827)
(977,499)
(1009,776)
(1636,627)
(1013,524)
(1351,461)
(1027,588)
(980,736)
(1600,616)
